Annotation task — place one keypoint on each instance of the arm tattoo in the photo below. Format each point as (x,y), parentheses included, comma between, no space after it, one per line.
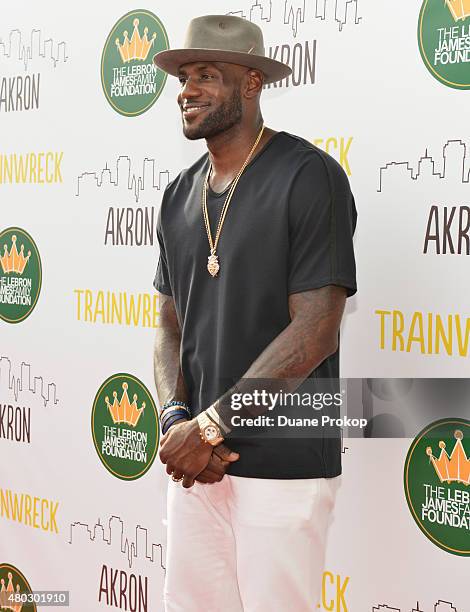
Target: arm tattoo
(167,371)
(310,337)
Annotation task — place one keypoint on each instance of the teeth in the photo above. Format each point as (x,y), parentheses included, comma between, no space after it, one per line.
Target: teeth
(192,108)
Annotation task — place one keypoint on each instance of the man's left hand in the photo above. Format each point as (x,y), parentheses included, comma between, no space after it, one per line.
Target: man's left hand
(184,452)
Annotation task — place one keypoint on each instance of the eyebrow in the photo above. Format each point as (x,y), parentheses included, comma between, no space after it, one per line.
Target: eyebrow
(205,66)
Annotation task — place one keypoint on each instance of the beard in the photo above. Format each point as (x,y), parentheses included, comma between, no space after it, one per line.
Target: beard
(222,119)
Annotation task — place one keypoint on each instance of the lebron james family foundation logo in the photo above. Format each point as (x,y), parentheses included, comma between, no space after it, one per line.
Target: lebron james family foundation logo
(15,593)
(444,40)
(437,478)
(125,431)
(20,275)
(131,81)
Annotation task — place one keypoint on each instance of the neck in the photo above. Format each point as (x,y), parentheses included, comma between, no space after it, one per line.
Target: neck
(228,150)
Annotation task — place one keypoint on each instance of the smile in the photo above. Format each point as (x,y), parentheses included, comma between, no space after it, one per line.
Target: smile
(189,111)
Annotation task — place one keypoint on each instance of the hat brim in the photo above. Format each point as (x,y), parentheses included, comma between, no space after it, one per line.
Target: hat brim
(171,60)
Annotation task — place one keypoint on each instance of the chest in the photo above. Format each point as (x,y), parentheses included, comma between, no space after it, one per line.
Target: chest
(254,229)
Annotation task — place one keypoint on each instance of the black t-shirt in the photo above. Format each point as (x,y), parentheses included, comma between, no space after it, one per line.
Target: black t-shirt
(288,229)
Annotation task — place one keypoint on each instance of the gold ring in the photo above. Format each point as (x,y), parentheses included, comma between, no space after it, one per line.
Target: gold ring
(176,479)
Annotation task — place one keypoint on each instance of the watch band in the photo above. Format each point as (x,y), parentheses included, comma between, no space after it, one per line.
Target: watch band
(214,415)
(208,430)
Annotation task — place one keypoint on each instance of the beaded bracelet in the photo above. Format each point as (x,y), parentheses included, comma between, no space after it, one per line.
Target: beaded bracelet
(175,403)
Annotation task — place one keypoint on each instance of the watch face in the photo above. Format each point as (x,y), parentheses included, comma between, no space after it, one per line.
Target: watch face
(211,432)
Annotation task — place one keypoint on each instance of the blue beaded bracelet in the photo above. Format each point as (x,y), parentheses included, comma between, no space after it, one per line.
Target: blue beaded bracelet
(174,403)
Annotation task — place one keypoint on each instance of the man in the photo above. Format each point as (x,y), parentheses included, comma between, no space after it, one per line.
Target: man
(256,262)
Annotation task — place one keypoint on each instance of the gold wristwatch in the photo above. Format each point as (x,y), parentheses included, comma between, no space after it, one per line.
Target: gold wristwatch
(209,431)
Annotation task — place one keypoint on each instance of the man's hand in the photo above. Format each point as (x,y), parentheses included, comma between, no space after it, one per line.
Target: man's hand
(220,459)
(184,452)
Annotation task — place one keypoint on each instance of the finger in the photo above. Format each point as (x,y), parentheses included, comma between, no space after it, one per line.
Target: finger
(224,453)
(210,473)
(205,479)
(217,461)
(177,475)
(216,466)
(188,482)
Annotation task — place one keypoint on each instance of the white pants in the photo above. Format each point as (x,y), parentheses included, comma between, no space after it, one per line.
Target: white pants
(247,544)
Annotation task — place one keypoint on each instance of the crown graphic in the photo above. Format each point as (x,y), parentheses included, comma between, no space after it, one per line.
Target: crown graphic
(460,9)
(13,261)
(454,467)
(124,411)
(137,47)
(5,593)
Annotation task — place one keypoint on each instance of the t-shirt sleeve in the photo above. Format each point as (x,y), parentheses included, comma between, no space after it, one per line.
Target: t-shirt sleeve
(162,280)
(322,220)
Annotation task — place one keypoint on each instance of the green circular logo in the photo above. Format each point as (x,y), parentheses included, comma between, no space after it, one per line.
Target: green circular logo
(125,426)
(437,478)
(131,81)
(15,592)
(444,41)
(20,275)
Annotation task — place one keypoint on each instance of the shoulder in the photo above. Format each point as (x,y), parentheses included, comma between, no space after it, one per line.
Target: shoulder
(319,185)
(313,165)
(183,182)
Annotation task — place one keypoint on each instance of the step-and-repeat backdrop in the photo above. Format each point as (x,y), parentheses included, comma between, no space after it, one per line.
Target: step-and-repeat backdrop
(90,136)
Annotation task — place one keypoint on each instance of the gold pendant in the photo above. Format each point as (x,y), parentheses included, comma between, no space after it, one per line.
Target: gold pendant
(213,264)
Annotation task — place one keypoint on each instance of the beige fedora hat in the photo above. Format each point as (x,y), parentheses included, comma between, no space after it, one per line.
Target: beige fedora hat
(223,38)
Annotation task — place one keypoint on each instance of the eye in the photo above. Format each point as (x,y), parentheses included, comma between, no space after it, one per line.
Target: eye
(206,76)
(182,80)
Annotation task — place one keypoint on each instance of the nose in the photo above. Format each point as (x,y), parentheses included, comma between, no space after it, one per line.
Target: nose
(189,89)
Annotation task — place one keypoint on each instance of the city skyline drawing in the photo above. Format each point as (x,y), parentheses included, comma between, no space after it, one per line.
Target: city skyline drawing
(440,606)
(14,47)
(454,162)
(140,548)
(22,382)
(122,176)
(294,13)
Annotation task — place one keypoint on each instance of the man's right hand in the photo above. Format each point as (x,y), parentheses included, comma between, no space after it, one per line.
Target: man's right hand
(220,459)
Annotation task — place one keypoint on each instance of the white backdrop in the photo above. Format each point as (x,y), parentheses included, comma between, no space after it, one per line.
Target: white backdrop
(373,94)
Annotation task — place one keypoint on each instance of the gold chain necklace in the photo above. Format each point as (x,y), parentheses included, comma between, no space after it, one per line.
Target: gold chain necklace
(213,265)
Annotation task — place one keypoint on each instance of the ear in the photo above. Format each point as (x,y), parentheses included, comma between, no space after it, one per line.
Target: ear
(253,83)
